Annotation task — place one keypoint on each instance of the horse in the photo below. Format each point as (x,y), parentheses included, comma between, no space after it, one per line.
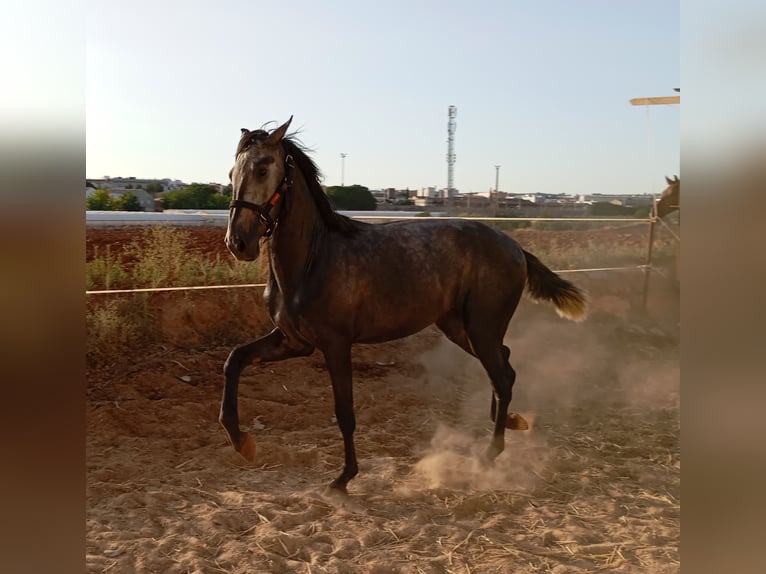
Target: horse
(670,199)
(335,282)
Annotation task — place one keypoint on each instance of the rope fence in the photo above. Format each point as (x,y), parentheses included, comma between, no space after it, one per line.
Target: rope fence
(580,219)
(160,289)
(644,267)
(261,285)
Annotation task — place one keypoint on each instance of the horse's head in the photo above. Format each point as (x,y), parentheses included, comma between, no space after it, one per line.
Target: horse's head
(670,199)
(262,173)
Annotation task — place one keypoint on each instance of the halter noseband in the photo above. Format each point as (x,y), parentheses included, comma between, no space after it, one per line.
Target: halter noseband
(263,210)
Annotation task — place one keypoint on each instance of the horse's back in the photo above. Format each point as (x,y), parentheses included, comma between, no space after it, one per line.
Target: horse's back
(427,268)
(452,241)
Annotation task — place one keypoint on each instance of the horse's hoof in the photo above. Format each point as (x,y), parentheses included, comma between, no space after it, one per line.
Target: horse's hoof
(516,422)
(247,447)
(487,460)
(337,489)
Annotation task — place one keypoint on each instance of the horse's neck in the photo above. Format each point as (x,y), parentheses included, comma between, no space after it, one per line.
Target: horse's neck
(294,238)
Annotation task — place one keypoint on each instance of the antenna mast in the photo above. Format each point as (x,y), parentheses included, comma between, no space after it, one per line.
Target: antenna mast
(452,114)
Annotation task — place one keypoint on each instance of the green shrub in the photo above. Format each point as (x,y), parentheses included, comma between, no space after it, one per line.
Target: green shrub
(100,200)
(195,196)
(127,202)
(352,198)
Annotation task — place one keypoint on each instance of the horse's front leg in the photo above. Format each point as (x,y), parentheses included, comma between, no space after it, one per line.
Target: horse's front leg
(272,347)
(339,366)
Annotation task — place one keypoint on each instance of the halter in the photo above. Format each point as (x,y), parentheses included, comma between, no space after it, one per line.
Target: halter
(263,210)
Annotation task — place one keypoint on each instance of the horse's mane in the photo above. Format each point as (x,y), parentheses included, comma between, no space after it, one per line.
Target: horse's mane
(249,138)
(334,220)
(311,174)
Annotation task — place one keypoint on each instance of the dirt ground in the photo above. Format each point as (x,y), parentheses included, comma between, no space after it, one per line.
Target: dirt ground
(593,485)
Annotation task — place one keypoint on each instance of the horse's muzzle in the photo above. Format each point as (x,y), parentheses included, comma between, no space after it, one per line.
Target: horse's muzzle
(242,249)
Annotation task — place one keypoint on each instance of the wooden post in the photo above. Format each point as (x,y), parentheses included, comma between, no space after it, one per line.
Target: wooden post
(662,100)
(648,263)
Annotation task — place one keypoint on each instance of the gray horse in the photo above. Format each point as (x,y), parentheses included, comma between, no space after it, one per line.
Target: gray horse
(335,281)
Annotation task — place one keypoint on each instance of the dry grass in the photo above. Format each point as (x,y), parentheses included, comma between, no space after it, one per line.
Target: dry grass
(118,326)
(163,256)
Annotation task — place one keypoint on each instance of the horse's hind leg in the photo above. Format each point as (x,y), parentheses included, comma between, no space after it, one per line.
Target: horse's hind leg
(493,404)
(273,347)
(493,359)
(451,324)
(486,320)
(453,327)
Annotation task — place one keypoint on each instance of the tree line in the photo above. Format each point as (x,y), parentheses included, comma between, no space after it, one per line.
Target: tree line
(205,196)
(100,200)
(346,198)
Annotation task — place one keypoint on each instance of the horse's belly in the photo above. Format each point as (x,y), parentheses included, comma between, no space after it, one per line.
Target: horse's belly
(394,332)
(383,319)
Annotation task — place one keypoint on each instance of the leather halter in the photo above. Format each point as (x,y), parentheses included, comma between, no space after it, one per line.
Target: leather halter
(263,210)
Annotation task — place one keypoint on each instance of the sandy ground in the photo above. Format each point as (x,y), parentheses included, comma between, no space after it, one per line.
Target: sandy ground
(594,485)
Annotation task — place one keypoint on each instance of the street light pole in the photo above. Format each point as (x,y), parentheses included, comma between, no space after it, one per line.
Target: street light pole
(342,168)
(497,182)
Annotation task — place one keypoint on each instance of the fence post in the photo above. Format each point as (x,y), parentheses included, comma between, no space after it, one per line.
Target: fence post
(648,263)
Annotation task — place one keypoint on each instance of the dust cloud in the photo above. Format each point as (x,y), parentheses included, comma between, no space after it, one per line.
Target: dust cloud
(566,373)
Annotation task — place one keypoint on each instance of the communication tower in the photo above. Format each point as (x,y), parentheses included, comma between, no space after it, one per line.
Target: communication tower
(451,114)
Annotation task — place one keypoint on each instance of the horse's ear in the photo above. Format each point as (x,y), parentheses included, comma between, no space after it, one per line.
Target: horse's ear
(277,135)
(245,131)
(670,181)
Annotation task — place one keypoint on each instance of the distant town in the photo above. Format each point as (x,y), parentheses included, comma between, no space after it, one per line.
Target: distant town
(149,194)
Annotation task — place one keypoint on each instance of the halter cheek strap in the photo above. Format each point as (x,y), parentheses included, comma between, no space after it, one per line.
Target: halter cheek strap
(263,211)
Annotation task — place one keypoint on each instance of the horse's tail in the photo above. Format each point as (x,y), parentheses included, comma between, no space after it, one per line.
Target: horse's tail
(544,285)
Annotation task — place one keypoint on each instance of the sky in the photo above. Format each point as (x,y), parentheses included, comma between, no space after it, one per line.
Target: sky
(542,88)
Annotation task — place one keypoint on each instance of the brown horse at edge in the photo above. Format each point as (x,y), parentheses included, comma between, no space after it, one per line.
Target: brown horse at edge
(670,199)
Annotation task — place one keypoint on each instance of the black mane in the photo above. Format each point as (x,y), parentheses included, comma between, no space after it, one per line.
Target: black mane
(311,174)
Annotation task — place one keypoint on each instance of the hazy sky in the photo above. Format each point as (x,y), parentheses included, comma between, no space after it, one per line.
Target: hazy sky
(541,89)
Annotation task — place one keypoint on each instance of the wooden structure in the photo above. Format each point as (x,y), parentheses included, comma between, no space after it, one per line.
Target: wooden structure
(653,101)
